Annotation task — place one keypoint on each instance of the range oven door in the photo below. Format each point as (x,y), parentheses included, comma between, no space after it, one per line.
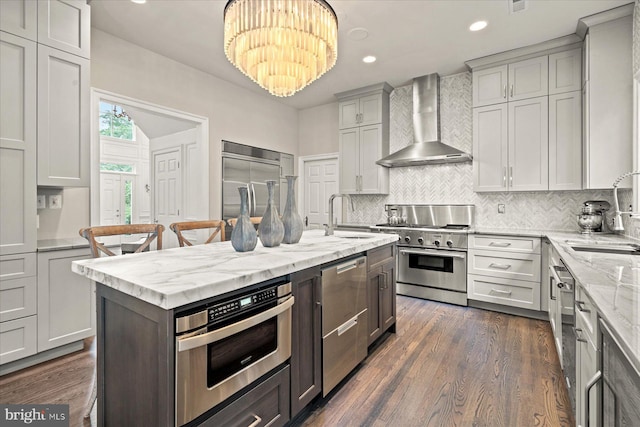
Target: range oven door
(213,364)
(433,268)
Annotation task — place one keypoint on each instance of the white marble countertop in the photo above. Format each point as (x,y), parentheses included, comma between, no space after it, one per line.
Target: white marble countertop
(174,277)
(611,281)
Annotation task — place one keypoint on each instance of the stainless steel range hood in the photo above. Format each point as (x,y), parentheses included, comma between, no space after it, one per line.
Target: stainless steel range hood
(427,148)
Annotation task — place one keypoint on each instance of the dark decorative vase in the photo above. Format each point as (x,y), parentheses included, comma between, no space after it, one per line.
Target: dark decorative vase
(271,230)
(291,219)
(243,236)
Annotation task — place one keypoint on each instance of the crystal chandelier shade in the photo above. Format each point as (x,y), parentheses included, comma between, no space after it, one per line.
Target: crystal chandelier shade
(282,45)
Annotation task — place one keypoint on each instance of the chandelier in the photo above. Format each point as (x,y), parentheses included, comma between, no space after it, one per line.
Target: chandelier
(282,45)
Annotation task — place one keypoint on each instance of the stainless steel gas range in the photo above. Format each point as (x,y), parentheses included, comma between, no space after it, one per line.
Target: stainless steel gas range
(432,252)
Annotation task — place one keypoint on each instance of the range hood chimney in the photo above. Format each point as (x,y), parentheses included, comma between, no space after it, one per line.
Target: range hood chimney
(427,148)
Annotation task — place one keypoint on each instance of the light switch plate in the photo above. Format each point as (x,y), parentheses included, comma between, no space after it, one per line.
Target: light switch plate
(42,201)
(55,201)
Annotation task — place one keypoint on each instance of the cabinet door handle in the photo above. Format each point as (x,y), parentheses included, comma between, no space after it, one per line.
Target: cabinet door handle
(593,381)
(580,305)
(578,333)
(511,176)
(504,91)
(500,244)
(500,266)
(504,176)
(498,291)
(511,91)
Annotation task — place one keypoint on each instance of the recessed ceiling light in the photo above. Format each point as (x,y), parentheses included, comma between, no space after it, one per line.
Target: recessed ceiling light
(477,26)
(358,33)
(369,59)
(139,1)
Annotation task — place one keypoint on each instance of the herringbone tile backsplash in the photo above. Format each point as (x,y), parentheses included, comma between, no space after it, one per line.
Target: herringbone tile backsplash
(453,183)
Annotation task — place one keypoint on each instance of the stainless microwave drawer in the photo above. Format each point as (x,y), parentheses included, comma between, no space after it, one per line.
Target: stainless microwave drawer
(342,350)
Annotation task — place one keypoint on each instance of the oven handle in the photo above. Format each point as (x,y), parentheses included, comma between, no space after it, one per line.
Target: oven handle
(443,254)
(190,343)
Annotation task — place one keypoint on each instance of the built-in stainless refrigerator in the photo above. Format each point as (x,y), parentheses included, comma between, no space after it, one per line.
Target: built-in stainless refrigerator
(250,167)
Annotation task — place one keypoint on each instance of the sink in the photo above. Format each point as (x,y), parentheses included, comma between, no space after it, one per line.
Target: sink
(606,247)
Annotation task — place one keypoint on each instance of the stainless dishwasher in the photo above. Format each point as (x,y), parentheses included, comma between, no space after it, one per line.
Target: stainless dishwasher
(344,320)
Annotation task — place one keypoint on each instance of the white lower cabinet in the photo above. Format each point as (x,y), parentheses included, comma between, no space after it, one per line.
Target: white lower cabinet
(504,270)
(586,359)
(18,339)
(66,301)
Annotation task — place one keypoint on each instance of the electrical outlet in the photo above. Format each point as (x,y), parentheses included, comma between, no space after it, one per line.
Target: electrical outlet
(42,201)
(55,201)
(501,208)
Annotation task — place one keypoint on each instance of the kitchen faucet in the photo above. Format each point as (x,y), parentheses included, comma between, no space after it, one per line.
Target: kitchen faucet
(617,219)
(328,229)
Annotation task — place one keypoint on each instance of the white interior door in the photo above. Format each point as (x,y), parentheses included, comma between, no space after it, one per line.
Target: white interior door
(320,182)
(167,191)
(110,199)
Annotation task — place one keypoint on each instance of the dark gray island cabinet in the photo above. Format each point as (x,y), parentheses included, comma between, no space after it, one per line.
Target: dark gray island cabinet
(144,301)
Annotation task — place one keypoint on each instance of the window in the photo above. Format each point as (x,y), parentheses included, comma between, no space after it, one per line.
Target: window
(116,167)
(115,122)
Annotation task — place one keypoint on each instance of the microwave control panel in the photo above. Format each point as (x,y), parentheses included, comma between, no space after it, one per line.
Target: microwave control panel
(227,308)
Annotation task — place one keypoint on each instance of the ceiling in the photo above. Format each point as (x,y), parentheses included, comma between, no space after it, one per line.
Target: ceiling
(410,38)
(156,125)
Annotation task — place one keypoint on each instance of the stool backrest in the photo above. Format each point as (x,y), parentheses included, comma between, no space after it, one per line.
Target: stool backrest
(154,231)
(216,225)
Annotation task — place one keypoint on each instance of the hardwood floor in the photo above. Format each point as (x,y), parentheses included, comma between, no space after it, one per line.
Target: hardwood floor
(445,366)
(454,366)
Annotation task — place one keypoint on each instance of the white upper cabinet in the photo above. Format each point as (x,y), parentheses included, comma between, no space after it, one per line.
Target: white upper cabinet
(608,103)
(565,73)
(490,145)
(364,139)
(17,145)
(65,25)
(565,141)
(63,119)
(529,78)
(360,112)
(20,17)
(490,86)
(511,82)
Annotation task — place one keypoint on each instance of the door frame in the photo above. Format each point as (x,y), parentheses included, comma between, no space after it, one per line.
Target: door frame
(302,160)
(202,131)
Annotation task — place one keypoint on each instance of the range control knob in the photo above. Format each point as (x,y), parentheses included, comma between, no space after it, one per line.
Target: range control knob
(407,239)
(437,243)
(421,240)
(449,243)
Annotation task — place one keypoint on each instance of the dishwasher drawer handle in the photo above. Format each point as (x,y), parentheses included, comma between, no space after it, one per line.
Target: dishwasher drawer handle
(347,325)
(257,421)
(500,244)
(342,268)
(185,344)
(500,266)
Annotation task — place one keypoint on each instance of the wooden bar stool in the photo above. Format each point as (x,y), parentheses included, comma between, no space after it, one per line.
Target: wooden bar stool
(153,231)
(216,225)
(255,220)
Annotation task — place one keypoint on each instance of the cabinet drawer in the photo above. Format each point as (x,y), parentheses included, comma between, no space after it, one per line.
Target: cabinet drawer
(504,243)
(266,404)
(514,293)
(586,311)
(505,265)
(379,255)
(17,266)
(18,298)
(18,339)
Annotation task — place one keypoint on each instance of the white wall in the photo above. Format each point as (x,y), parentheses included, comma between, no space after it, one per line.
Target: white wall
(234,113)
(318,130)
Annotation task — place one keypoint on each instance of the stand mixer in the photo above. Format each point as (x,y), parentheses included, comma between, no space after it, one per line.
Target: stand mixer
(592,216)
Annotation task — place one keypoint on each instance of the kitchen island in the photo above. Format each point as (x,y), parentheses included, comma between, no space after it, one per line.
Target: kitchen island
(139,296)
